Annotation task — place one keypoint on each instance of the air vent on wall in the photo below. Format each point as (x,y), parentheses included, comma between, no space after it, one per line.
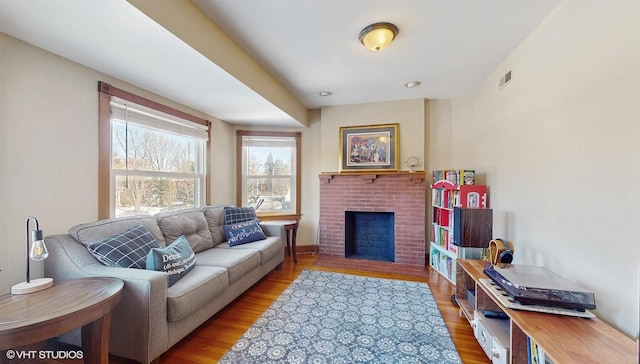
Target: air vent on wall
(504,79)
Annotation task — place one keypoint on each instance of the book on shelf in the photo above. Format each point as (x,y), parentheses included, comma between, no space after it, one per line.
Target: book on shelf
(435,259)
(443,265)
(445,236)
(535,354)
(435,198)
(440,236)
(458,177)
(440,199)
(453,248)
(442,217)
(452,176)
(450,268)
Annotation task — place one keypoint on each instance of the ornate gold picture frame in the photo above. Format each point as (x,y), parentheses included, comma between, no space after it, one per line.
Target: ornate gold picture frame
(369,148)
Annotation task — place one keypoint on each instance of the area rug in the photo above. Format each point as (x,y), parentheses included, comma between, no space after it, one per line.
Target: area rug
(325,317)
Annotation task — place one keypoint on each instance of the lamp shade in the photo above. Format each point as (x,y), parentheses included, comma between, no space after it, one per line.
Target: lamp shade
(378,36)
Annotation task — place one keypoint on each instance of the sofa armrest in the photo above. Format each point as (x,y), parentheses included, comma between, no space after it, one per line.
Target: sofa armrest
(272,230)
(143,309)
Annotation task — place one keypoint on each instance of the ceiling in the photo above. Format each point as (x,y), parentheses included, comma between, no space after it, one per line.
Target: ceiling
(308,46)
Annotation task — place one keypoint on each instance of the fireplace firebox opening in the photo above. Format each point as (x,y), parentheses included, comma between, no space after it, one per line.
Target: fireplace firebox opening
(369,235)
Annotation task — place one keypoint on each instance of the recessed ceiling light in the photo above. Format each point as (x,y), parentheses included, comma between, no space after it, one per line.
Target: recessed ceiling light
(325,93)
(412,84)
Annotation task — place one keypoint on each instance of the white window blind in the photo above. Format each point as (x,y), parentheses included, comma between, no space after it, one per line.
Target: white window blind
(132,113)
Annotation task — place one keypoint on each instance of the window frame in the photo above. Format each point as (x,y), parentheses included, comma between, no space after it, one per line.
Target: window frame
(298,176)
(105,92)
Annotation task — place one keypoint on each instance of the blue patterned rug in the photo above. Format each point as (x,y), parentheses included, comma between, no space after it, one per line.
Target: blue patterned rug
(325,317)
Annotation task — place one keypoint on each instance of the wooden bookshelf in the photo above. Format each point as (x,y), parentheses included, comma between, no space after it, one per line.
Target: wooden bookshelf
(461,223)
(564,339)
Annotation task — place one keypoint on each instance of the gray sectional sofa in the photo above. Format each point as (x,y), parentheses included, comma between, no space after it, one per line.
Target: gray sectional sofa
(153,316)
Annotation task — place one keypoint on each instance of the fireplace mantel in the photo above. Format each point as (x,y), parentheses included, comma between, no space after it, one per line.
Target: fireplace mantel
(370,177)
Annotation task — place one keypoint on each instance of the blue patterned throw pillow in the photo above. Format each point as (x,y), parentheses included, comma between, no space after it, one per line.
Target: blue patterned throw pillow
(234,214)
(243,232)
(176,260)
(127,249)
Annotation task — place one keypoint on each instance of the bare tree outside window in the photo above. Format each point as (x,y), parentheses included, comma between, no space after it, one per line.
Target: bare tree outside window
(154,170)
(151,157)
(269,178)
(269,172)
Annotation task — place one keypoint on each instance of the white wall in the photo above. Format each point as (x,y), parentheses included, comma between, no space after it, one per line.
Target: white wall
(409,114)
(223,163)
(49,148)
(560,146)
(438,135)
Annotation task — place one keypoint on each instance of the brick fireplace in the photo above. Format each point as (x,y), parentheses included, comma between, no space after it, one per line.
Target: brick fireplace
(401,193)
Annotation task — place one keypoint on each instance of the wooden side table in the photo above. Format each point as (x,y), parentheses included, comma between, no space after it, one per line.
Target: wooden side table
(290,228)
(87,303)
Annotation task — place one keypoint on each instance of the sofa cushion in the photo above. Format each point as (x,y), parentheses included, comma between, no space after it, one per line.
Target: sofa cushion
(243,232)
(126,249)
(176,259)
(238,262)
(215,219)
(234,214)
(94,232)
(190,223)
(269,248)
(195,289)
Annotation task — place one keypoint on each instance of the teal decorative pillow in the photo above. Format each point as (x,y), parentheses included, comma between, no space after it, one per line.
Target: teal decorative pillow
(243,232)
(127,249)
(176,259)
(234,214)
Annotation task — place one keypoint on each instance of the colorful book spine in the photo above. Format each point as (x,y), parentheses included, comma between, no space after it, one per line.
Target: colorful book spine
(535,354)
(458,177)
(435,259)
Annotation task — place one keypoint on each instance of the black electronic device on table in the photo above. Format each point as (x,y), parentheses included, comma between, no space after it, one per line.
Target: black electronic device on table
(533,285)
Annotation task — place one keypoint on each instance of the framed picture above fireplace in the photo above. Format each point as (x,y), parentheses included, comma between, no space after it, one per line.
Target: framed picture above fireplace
(369,148)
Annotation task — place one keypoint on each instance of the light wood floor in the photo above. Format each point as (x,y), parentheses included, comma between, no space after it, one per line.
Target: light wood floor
(209,342)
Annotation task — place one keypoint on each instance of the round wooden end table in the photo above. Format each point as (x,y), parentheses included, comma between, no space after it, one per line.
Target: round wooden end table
(88,302)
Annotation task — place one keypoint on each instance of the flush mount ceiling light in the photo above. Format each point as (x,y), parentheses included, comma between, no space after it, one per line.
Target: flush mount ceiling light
(325,93)
(378,36)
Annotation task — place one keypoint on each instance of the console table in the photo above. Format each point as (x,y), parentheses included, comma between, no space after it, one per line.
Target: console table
(564,339)
(87,303)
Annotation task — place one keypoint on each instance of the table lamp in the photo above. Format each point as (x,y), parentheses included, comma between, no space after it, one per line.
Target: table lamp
(37,252)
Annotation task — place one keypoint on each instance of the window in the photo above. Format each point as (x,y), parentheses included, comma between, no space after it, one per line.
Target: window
(152,159)
(269,173)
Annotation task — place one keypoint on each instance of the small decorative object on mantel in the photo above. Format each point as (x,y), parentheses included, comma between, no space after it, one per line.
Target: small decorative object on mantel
(413,162)
(369,148)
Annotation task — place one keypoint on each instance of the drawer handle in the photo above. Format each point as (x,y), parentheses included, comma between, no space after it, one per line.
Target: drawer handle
(495,353)
(484,337)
